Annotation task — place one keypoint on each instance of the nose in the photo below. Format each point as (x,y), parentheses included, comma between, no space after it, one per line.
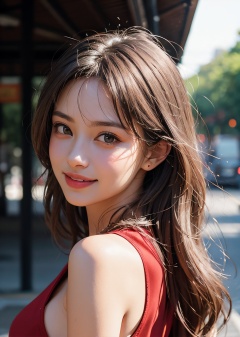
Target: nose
(78,155)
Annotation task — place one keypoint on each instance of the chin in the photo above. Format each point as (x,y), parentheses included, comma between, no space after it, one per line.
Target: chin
(73,201)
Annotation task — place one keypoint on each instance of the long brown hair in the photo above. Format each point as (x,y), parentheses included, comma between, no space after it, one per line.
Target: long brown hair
(146,90)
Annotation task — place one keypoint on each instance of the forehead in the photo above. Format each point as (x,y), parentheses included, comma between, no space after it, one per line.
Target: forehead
(88,96)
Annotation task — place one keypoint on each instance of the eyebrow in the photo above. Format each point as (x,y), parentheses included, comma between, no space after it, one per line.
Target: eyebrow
(63,115)
(93,123)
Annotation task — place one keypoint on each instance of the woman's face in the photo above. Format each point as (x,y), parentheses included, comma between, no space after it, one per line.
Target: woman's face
(94,158)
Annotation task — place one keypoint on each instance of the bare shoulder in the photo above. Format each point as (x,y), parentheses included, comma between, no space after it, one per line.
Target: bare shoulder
(108,258)
(105,279)
(106,249)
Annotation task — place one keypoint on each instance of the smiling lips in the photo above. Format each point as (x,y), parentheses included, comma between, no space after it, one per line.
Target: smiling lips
(77,181)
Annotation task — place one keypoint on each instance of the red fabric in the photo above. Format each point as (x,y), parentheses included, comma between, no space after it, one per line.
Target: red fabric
(30,321)
(156,320)
(157,317)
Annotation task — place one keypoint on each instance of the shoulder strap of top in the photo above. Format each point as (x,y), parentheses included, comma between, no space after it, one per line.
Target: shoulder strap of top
(156,319)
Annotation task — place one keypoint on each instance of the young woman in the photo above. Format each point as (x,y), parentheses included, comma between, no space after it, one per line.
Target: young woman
(115,132)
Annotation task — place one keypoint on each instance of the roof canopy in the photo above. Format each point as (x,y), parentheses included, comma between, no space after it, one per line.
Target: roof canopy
(54,20)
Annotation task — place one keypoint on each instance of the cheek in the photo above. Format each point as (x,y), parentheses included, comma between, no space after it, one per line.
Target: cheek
(51,151)
(55,150)
(124,154)
(123,162)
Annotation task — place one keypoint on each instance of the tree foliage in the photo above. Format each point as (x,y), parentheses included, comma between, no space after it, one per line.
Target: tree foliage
(12,115)
(215,93)
(11,120)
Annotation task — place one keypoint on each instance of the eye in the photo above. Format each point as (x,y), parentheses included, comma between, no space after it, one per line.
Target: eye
(62,129)
(108,138)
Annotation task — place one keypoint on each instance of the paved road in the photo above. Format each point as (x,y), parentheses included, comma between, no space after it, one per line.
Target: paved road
(224,237)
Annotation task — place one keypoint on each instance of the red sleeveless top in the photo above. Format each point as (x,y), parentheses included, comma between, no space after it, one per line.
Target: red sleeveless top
(157,317)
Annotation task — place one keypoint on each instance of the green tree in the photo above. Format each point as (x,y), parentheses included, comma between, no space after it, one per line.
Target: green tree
(11,132)
(215,93)
(12,117)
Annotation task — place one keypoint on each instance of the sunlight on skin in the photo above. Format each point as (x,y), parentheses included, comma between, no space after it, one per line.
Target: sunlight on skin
(89,142)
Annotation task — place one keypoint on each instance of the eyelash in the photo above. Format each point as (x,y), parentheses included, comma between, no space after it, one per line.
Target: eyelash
(116,139)
(57,125)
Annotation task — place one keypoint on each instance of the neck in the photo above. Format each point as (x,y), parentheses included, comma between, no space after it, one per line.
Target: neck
(98,221)
(100,217)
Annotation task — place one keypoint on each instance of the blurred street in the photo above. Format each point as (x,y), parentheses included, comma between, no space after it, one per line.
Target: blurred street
(48,259)
(225,233)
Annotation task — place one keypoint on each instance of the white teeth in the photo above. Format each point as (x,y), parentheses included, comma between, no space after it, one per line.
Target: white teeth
(78,180)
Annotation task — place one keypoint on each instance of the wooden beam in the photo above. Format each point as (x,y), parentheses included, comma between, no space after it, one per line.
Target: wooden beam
(60,15)
(190,9)
(138,13)
(8,21)
(153,16)
(50,34)
(12,21)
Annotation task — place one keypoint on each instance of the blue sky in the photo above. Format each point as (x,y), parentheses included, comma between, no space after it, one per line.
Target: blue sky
(215,25)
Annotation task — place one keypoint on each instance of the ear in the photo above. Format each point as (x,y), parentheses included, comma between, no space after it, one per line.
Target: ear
(156,154)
